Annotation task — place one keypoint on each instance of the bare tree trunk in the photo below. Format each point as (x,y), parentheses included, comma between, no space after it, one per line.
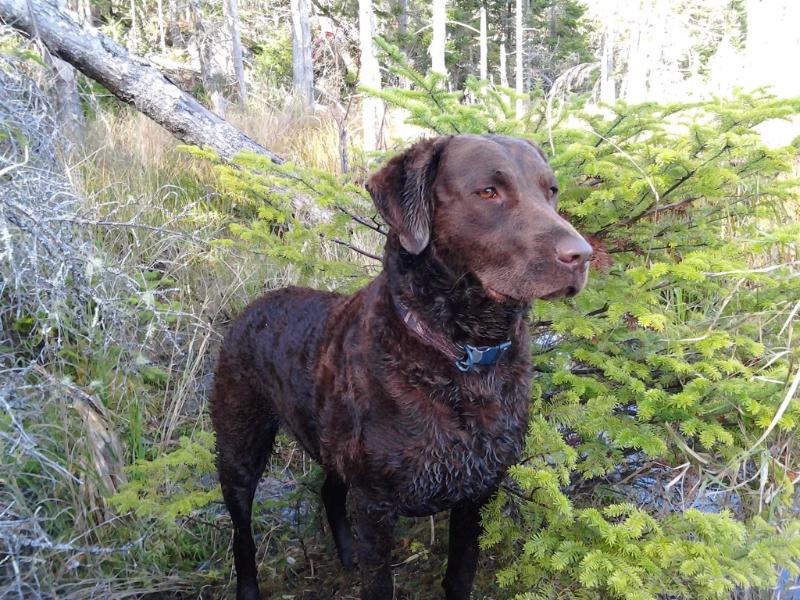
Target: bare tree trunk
(162,38)
(402,20)
(174,30)
(608,92)
(402,31)
(210,83)
(66,99)
(301,52)
(85,12)
(133,34)
(232,17)
(128,77)
(484,46)
(439,34)
(636,77)
(369,76)
(503,65)
(520,109)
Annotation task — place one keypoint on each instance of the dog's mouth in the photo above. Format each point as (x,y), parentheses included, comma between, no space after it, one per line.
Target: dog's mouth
(569,287)
(501,298)
(496,296)
(565,292)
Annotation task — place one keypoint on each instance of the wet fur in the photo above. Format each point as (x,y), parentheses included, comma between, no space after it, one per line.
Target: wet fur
(395,426)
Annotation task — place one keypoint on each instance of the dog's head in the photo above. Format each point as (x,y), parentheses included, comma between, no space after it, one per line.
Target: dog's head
(485,206)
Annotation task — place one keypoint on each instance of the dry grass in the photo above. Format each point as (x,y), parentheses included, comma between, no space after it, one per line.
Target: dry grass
(114,295)
(125,147)
(309,139)
(145,221)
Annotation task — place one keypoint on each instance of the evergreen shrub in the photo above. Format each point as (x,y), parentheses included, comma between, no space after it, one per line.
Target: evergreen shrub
(662,449)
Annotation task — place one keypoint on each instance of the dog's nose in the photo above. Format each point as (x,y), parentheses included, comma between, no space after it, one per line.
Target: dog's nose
(573,251)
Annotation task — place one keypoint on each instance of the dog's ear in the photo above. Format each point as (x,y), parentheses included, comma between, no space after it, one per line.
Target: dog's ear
(402,192)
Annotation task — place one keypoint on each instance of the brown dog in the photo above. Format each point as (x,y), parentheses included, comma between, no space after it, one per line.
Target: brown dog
(413,392)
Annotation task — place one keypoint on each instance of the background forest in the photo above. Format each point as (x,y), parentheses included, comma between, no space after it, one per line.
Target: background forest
(663,448)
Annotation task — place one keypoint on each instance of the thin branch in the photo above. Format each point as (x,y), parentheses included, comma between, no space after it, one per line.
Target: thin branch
(657,209)
(779,413)
(361,220)
(347,244)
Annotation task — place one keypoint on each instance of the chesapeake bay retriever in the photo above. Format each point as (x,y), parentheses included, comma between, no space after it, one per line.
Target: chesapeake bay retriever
(413,392)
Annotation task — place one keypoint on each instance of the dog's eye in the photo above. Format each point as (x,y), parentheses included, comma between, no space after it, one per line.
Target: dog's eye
(488,193)
(554,190)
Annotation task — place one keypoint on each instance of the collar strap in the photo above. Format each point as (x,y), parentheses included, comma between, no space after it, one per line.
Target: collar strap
(466,357)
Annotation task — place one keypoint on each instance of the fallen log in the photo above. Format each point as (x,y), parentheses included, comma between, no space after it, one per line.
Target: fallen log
(130,78)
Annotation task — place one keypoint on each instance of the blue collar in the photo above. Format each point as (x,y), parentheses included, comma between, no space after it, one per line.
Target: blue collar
(465,358)
(485,355)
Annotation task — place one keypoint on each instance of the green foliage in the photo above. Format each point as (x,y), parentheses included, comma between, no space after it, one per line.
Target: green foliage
(273,59)
(170,486)
(302,218)
(558,38)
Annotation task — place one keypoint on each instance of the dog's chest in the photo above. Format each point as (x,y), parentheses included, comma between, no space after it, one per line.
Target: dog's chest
(462,449)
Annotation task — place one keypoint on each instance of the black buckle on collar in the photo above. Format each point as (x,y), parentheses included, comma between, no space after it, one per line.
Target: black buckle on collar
(485,355)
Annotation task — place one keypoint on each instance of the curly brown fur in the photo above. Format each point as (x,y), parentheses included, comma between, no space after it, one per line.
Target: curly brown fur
(396,426)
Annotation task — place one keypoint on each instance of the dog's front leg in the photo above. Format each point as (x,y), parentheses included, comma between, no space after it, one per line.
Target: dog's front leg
(463,550)
(374,531)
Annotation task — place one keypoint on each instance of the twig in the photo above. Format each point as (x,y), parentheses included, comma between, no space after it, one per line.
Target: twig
(357,249)
(657,209)
(779,414)
(751,271)
(361,220)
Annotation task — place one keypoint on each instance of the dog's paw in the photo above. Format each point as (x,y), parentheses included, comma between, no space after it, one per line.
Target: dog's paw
(248,591)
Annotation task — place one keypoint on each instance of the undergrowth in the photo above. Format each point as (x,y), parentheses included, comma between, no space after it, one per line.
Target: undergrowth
(662,452)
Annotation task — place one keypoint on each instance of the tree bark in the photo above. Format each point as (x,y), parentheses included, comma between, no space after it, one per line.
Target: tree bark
(438,38)
(402,22)
(204,51)
(133,34)
(84,10)
(232,17)
(162,37)
(503,66)
(608,92)
(174,30)
(484,46)
(301,52)
(128,77)
(636,78)
(66,99)
(520,107)
(369,76)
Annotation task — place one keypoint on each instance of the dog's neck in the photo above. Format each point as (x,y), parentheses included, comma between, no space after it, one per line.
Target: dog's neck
(452,304)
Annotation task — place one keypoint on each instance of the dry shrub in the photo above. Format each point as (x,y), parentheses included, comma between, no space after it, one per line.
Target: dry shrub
(111,296)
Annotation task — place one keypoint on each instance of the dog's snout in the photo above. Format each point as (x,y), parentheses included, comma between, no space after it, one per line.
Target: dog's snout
(573,251)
